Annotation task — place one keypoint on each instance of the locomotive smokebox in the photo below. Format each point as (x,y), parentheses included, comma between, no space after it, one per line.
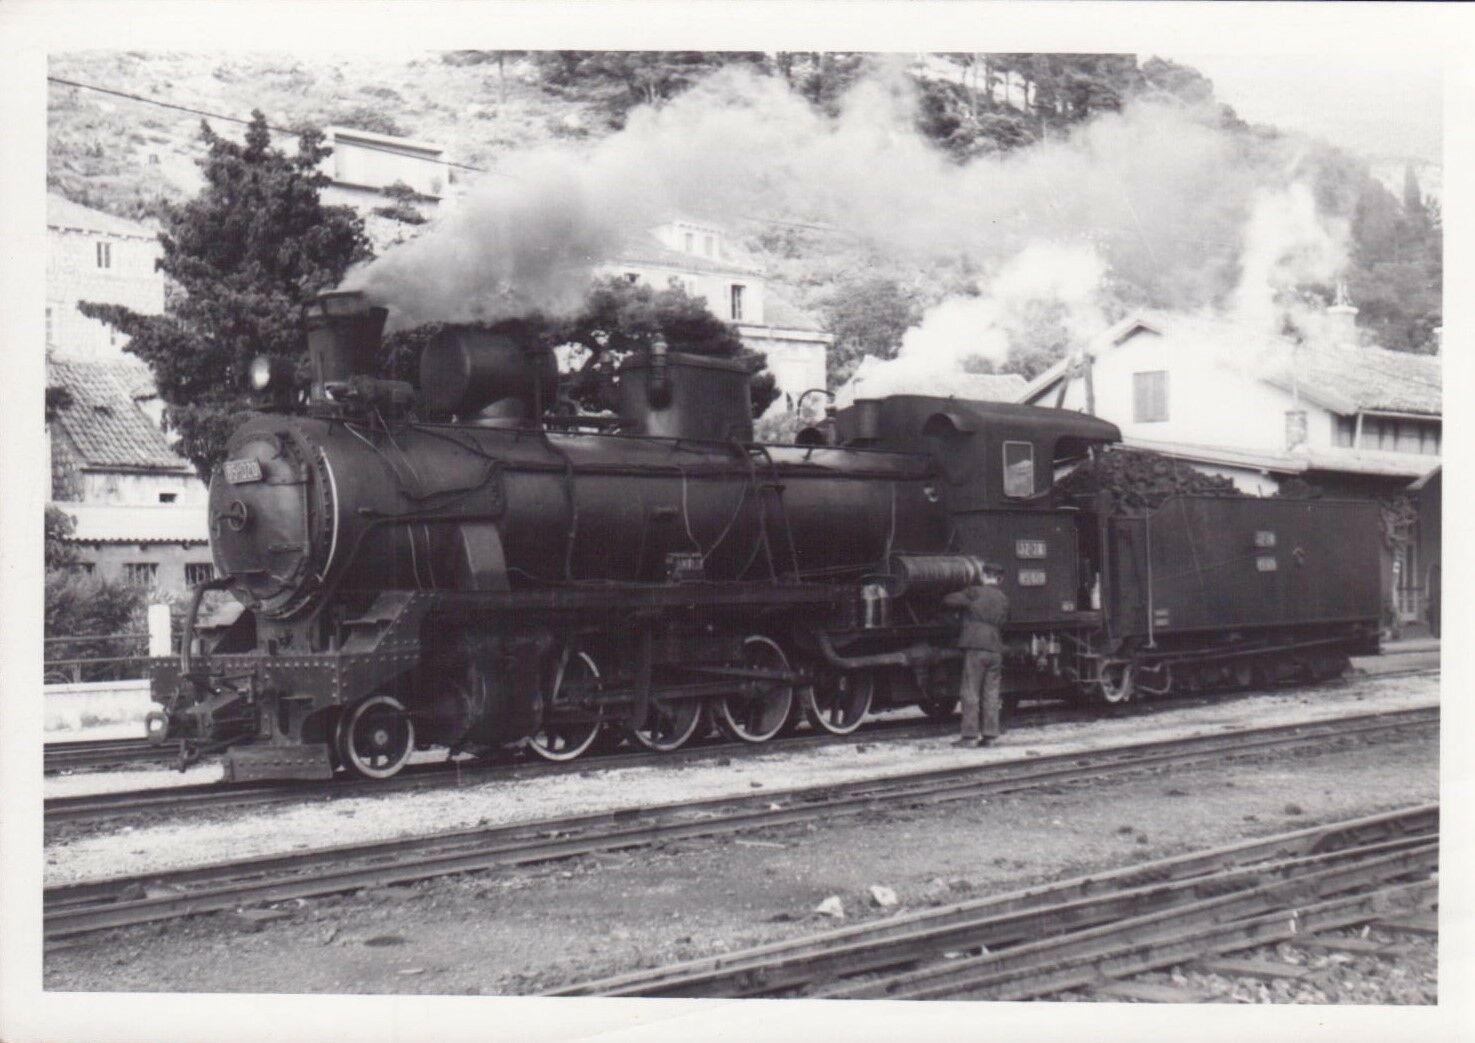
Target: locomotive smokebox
(343,331)
(494,376)
(673,395)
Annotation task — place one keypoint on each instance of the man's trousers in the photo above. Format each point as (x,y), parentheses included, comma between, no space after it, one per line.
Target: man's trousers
(982,674)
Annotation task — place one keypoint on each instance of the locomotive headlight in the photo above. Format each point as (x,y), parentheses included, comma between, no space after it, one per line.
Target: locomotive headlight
(260,372)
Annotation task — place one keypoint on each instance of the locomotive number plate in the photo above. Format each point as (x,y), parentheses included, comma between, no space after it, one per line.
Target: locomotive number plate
(1029,548)
(1031,577)
(238,472)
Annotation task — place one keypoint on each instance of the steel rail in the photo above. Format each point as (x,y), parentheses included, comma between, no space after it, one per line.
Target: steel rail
(59,756)
(172,799)
(75,908)
(1273,911)
(782,967)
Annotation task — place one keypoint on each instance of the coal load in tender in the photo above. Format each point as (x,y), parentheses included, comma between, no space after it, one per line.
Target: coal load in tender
(1138,480)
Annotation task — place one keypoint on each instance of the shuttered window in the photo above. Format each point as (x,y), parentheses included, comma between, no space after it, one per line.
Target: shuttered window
(1150,396)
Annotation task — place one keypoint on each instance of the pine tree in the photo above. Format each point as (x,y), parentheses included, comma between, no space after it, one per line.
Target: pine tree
(243,256)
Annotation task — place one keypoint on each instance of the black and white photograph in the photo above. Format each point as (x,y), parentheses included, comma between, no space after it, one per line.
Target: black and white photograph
(821,516)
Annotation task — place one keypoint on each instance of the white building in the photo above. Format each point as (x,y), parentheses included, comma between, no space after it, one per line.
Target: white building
(364,164)
(1350,420)
(94,256)
(700,257)
(1259,409)
(138,508)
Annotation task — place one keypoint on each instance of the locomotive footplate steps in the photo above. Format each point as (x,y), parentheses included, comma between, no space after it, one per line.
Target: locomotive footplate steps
(258,763)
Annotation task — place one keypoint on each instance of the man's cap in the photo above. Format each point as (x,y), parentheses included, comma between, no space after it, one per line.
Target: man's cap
(993,568)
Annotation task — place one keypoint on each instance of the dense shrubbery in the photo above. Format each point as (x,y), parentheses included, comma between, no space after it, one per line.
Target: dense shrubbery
(80,605)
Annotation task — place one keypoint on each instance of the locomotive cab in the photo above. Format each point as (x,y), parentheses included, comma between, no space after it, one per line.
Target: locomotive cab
(999,463)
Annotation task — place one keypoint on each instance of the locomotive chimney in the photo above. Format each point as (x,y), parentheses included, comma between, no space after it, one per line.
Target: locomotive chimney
(343,332)
(1342,316)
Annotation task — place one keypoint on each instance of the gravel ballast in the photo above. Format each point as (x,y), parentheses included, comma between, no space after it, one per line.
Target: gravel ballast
(524,930)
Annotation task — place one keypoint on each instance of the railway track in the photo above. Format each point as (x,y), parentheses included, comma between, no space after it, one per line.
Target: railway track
(171,800)
(179,799)
(1083,932)
(66,756)
(77,908)
(70,756)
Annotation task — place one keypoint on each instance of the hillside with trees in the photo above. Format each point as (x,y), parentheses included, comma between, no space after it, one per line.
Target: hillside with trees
(134,159)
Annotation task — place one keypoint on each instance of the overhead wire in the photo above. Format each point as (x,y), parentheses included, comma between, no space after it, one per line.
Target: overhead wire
(368,146)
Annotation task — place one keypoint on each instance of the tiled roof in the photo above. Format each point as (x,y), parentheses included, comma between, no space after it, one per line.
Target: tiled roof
(646,248)
(61,212)
(1348,379)
(102,420)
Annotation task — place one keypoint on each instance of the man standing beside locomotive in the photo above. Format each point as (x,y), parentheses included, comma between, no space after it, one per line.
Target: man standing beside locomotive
(984,607)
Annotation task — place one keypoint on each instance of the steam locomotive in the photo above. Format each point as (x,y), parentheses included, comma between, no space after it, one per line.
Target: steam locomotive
(474,563)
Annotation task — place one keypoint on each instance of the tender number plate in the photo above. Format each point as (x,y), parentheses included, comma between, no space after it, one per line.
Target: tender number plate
(1031,577)
(238,472)
(1029,548)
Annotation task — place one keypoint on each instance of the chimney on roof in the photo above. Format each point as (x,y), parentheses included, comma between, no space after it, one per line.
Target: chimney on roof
(1342,316)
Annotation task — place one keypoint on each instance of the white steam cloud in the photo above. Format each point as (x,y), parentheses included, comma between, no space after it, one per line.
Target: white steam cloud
(1156,198)
(963,330)
(1285,242)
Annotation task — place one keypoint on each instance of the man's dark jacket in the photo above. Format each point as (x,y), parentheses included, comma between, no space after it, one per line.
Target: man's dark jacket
(984,608)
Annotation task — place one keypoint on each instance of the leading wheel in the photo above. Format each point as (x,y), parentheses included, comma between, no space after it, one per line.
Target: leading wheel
(757,711)
(668,725)
(1116,685)
(838,702)
(376,737)
(566,731)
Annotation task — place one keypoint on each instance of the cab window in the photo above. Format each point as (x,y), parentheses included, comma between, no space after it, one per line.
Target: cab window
(1019,469)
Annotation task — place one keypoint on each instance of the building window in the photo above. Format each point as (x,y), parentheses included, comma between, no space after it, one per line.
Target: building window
(49,340)
(141,573)
(709,245)
(1429,441)
(1344,431)
(168,497)
(737,303)
(104,255)
(690,242)
(1019,469)
(197,572)
(632,277)
(1150,396)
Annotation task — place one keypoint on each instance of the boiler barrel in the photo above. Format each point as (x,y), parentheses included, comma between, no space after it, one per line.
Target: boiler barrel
(595,507)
